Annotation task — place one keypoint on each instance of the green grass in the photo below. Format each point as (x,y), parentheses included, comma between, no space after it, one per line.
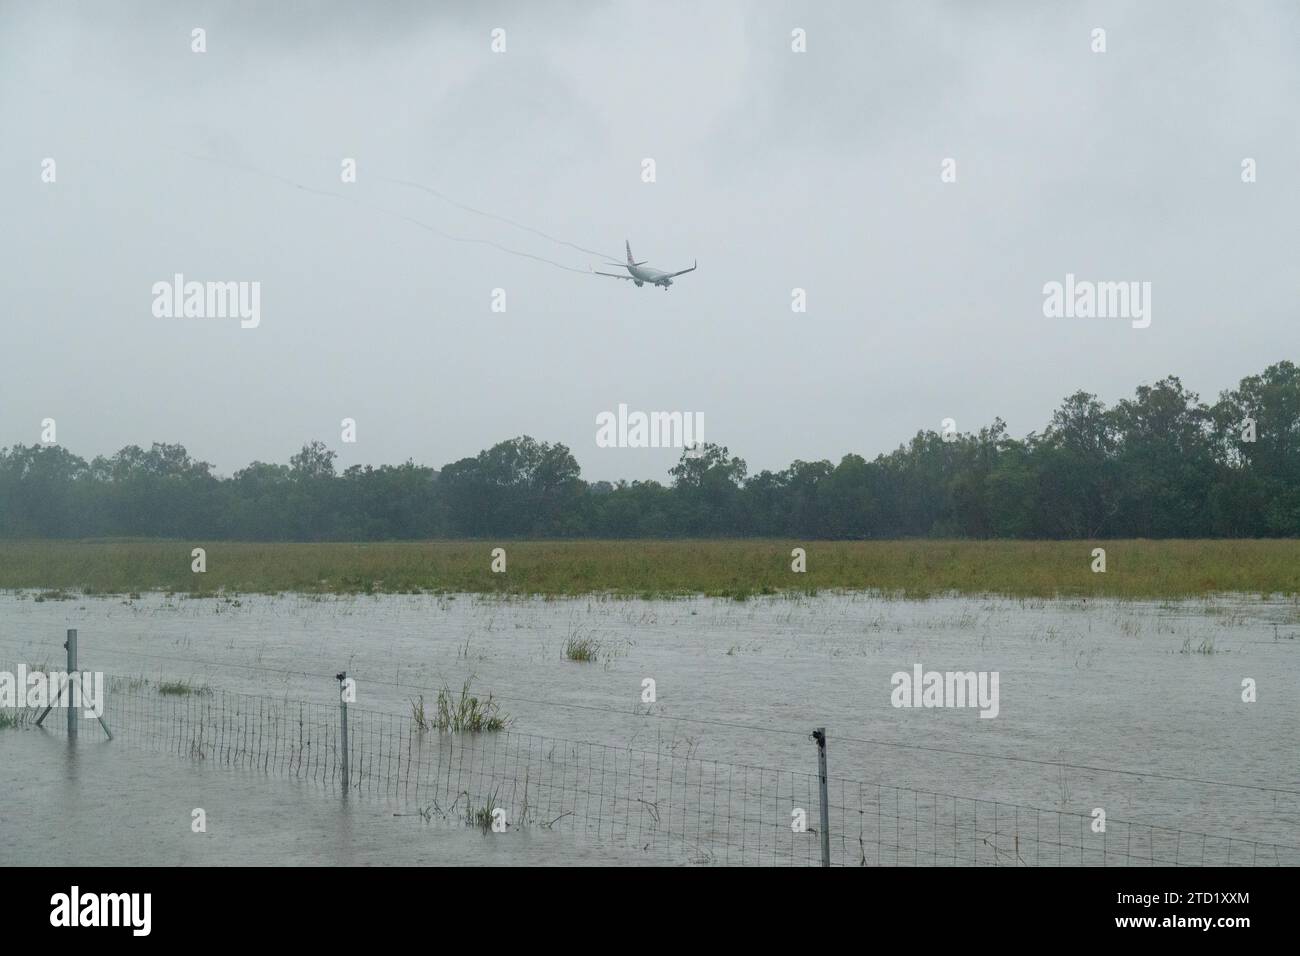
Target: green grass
(418,716)
(182,688)
(581,649)
(481,816)
(467,713)
(726,568)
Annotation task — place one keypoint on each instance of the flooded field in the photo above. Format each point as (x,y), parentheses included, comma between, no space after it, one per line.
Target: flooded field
(1133,707)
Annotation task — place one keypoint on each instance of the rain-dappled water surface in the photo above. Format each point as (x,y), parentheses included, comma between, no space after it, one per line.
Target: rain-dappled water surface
(1130,706)
(107,805)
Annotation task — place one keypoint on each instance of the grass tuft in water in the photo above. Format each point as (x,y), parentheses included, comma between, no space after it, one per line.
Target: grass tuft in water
(481,817)
(581,649)
(182,688)
(468,712)
(418,716)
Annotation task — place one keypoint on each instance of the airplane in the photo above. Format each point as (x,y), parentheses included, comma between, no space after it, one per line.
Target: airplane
(641,274)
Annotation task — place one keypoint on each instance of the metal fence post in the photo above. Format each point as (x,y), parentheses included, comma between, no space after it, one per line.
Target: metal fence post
(343,726)
(819,735)
(71,645)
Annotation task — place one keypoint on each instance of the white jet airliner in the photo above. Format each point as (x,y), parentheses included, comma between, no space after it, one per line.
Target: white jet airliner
(641,274)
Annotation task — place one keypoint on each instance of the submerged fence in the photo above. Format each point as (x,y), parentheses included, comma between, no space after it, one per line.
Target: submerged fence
(675,806)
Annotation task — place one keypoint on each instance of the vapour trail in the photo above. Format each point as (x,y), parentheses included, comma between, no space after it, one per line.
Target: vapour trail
(388,212)
(479,212)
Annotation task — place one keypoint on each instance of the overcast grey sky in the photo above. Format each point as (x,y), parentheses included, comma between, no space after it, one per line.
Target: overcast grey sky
(776,169)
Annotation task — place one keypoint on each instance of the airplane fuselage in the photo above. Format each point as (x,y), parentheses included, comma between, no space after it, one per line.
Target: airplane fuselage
(644,274)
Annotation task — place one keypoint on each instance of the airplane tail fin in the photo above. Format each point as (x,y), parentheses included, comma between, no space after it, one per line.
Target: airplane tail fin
(630,260)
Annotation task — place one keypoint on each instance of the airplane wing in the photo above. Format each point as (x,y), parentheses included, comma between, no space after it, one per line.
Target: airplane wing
(612,275)
(673,275)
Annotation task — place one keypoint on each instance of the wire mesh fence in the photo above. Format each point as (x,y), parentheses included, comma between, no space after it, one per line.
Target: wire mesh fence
(884,825)
(651,800)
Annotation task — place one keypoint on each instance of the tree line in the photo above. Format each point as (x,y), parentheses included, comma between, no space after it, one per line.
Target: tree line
(1160,464)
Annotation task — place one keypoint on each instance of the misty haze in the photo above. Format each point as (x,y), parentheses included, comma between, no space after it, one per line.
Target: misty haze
(609,434)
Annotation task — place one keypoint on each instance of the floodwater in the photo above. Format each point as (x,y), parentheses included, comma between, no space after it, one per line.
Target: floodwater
(1134,707)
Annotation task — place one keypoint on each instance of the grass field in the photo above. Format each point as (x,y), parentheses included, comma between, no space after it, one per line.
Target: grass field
(730,568)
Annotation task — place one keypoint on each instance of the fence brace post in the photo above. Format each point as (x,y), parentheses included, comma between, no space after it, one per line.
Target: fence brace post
(71,645)
(343,726)
(819,735)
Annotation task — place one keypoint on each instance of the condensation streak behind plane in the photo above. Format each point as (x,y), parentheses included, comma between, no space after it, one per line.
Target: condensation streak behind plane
(402,216)
(479,212)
